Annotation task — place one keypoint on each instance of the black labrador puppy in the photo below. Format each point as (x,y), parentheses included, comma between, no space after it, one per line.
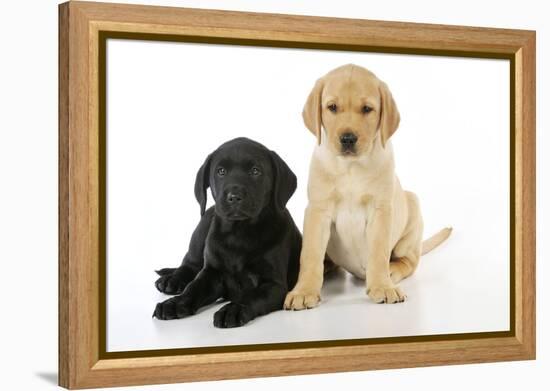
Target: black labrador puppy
(246,248)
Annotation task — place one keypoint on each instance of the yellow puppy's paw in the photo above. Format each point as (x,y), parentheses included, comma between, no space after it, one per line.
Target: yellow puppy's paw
(388,295)
(300,300)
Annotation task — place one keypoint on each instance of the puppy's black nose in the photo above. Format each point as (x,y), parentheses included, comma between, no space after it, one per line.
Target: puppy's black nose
(234,198)
(348,140)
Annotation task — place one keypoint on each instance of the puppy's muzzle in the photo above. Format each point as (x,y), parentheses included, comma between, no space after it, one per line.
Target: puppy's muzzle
(348,141)
(236,205)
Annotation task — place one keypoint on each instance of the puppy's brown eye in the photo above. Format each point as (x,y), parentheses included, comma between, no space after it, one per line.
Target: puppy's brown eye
(366,109)
(221,171)
(255,171)
(332,107)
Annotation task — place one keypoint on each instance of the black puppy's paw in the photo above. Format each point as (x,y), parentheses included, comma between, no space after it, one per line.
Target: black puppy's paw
(170,281)
(232,315)
(174,308)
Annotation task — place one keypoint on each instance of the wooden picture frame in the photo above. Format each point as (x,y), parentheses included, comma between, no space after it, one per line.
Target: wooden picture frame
(83,30)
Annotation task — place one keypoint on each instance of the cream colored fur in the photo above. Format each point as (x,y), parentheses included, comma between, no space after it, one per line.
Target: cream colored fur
(357,212)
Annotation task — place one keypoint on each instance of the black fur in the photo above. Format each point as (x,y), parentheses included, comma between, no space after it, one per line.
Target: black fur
(246,248)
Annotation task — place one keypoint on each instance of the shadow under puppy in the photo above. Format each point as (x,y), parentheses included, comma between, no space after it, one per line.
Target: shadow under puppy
(246,247)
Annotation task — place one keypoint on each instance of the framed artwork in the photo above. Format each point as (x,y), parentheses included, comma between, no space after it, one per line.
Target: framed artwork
(246,195)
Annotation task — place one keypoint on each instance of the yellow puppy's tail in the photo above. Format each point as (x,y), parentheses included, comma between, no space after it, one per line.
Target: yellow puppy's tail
(435,240)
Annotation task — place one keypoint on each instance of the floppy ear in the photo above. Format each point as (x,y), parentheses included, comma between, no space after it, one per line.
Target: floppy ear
(312,110)
(389,115)
(284,181)
(202,182)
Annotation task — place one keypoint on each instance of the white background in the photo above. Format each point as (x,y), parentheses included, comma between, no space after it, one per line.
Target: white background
(452,149)
(28,207)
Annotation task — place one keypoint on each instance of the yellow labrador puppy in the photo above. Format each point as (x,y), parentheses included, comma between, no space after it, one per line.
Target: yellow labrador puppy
(357,213)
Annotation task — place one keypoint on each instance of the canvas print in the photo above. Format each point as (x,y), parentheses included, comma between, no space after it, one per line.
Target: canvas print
(261,195)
